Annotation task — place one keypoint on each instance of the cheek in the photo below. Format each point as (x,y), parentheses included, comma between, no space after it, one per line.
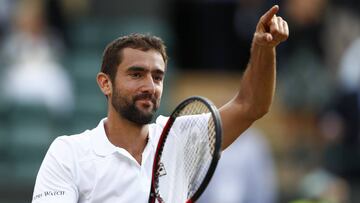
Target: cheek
(159,91)
(125,88)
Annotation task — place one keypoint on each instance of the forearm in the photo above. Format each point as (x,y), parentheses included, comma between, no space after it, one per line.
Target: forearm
(257,86)
(255,95)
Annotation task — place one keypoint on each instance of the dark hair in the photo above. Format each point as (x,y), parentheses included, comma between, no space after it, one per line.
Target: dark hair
(112,56)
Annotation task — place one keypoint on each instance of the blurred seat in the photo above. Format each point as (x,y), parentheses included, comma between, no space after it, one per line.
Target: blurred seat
(30,129)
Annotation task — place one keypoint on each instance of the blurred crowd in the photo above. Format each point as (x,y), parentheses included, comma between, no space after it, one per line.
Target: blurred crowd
(307,148)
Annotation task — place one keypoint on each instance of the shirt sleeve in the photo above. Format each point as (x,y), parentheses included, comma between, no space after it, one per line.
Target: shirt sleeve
(55,182)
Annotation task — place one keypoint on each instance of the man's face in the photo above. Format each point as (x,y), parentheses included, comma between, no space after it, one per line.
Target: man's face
(138,85)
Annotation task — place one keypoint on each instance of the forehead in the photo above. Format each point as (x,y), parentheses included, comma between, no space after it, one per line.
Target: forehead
(135,57)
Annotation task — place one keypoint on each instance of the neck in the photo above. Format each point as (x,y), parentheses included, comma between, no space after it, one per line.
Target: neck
(126,134)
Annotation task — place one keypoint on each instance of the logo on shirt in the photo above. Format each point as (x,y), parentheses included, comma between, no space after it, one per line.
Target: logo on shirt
(49,193)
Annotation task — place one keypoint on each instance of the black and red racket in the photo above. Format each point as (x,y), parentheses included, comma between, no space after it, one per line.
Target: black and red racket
(187,153)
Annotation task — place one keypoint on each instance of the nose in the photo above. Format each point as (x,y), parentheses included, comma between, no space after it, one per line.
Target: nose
(148,85)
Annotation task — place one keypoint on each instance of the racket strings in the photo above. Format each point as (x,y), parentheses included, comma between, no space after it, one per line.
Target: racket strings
(188,154)
(199,149)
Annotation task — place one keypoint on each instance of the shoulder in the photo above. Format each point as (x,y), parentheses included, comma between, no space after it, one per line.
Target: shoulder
(65,154)
(67,146)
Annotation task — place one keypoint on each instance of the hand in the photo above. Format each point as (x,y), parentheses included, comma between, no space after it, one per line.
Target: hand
(271,30)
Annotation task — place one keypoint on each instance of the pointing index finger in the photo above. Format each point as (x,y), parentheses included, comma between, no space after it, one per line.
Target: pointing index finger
(270,14)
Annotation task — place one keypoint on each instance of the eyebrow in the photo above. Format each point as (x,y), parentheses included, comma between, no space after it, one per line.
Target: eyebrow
(136,68)
(142,69)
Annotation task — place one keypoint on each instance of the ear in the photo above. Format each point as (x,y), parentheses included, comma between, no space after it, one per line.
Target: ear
(104,83)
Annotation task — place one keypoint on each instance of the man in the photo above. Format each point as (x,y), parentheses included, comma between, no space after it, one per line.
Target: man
(112,163)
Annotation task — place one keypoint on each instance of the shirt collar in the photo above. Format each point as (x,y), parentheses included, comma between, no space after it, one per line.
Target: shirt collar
(103,147)
(101,144)
(155,130)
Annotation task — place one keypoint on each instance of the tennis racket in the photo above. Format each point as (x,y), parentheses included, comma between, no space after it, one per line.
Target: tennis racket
(187,153)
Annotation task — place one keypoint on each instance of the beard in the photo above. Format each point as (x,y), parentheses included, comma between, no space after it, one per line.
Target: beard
(127,108)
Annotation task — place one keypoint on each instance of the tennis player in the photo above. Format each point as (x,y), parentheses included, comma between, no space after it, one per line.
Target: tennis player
(113,162)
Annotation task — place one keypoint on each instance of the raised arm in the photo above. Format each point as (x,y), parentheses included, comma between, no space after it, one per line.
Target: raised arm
(257,85)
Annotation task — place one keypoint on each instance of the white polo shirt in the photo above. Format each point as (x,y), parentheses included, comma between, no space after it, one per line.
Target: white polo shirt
(87,168)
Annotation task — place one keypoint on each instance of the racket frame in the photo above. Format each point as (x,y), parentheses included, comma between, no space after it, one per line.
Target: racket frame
(162,140)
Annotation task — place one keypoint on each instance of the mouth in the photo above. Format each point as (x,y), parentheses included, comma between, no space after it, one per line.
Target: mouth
(145,102)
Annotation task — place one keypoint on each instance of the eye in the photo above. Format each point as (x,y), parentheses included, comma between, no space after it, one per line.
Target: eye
(158,78)
(135,75)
